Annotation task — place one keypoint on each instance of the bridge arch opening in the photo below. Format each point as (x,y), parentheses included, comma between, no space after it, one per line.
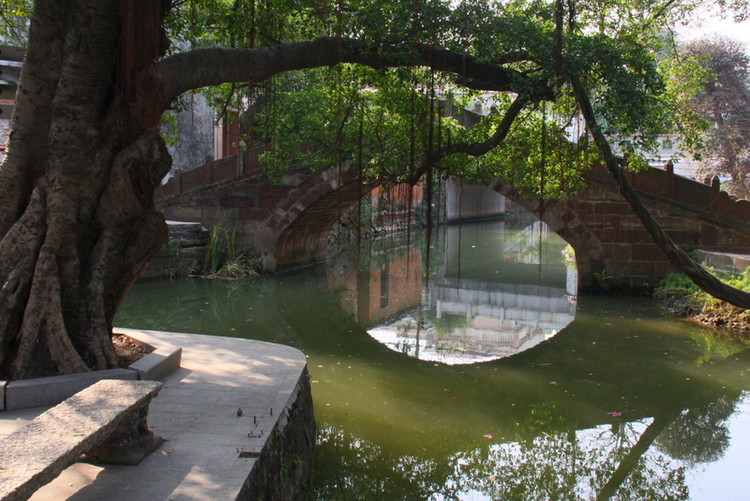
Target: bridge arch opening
(485,291)
(304,232)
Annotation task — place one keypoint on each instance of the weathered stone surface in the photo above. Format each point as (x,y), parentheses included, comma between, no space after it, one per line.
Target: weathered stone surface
(187,234)
(129,444)
(157,364)
(283,469)
(36,453)
(724,261)
(295,219)
(189,241)
(53,390)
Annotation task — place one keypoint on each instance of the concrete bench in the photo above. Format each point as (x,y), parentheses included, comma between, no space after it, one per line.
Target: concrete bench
(106,421)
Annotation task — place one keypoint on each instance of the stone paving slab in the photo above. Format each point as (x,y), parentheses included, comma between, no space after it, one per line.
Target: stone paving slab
(196,412)
(49,391)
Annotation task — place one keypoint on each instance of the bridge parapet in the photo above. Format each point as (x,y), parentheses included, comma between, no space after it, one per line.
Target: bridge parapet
(681,191)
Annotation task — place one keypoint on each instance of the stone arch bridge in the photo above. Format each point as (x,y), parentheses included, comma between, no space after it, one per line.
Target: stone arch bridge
(288,222)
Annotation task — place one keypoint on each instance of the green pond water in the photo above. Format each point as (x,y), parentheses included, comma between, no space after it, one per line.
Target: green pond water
(470,370)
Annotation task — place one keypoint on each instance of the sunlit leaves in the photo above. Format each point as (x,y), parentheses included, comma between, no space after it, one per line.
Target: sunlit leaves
(389,124)
(541,155)
(14,21)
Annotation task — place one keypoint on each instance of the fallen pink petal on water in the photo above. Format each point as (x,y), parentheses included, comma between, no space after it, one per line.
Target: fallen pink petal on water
(553,382)
(489,435)
(614,414)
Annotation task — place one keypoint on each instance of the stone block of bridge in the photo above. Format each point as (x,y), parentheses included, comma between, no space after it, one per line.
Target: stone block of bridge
(287,223)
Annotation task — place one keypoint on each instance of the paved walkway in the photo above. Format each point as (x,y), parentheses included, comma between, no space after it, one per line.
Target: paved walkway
(196,412)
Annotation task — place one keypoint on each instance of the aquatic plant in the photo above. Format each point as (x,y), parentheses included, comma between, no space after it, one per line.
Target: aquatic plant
(222,260)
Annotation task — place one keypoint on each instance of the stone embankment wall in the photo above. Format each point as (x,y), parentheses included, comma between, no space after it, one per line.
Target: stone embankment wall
(284,468)
(183,254)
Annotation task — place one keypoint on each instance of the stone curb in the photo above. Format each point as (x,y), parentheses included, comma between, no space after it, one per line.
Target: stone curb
(157,364)
(16,395)
(160,362)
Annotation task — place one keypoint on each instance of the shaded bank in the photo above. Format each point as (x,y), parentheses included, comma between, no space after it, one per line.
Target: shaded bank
(678,295)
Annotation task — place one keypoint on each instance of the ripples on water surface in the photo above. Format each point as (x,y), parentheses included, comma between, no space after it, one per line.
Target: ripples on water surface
(596,398)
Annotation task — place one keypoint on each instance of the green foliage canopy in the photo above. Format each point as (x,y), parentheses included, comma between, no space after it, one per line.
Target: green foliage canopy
(396,124)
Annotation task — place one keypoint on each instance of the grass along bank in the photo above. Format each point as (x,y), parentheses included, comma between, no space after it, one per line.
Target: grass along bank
(679,295)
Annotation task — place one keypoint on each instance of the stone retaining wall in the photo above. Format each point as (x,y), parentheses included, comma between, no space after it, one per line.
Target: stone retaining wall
(284,468)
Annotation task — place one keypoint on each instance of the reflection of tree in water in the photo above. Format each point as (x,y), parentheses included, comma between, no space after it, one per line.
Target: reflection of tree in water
(607,462)
(548,457)
(699,435)
(357,469)
(578,465)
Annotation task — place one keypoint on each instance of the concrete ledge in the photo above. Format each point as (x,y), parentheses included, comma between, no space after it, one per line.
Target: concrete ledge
(158,363)
(54,389)
(212,452)
(284,467)
(27,393)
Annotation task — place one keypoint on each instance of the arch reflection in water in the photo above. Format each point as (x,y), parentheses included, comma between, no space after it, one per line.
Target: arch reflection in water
(494,289)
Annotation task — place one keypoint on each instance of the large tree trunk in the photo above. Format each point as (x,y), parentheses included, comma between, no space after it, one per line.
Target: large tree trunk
(78,223)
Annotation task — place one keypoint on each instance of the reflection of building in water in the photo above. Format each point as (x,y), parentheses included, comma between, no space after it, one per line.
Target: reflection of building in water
(472,321)
(485,300)
(389,286)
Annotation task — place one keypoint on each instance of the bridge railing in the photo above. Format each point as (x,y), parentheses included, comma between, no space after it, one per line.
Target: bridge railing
(652,183)
(212,172)
(678,190)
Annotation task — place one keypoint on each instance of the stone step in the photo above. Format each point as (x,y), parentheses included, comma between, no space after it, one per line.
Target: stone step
(188,234)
